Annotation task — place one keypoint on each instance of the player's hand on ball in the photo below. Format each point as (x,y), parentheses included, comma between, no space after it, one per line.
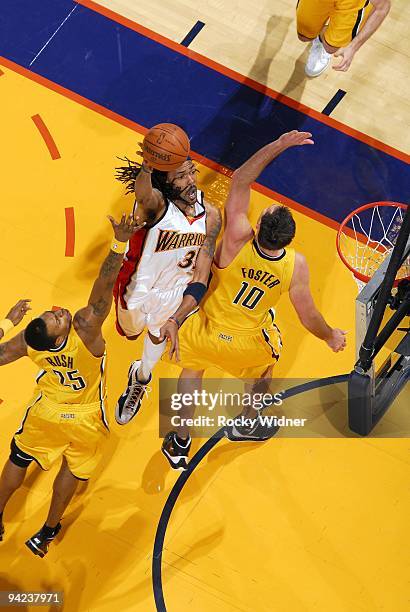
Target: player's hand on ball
(140,149)
(337,340)
(140,152)
(295,139)
(16,314)
(169,331)
(126,227)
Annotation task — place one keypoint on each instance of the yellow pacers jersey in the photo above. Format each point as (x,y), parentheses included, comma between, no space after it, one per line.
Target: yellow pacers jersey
(345,18)
(242,295)
(70,374)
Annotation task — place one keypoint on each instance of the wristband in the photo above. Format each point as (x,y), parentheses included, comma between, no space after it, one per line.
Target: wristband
(118,247)
(174,320)
(197,290)
(6,325)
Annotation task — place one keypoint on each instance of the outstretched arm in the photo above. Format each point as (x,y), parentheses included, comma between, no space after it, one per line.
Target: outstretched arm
(309,316)
(16,347)
(237,226)
(374,21)
(14,316)
(150,202)
(88,320)
(137,177)
(13,349)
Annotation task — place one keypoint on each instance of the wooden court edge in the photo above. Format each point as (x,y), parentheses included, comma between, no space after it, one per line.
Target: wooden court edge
(136,127)
(240,78)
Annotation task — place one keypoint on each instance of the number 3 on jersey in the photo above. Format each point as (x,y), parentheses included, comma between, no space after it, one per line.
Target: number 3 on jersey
(189,259)
(74,380)
(250,298)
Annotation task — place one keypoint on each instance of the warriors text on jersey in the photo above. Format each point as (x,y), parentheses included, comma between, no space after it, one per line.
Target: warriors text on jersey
(163,256)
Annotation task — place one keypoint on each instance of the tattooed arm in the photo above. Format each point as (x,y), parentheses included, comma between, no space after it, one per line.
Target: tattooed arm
(204,259)
(13,349)
(88,320)
(206,254)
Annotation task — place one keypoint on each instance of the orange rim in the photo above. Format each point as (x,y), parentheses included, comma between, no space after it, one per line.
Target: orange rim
(347,231)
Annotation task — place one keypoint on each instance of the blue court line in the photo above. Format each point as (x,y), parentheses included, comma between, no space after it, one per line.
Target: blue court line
(192,33)
(148,83)
(331,105)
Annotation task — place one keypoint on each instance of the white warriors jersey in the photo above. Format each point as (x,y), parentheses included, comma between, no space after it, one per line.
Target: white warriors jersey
(163,256)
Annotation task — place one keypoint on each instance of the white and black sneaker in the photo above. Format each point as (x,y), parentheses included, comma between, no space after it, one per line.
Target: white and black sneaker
(130,401)
(176,452)
(256,433)
(40,541)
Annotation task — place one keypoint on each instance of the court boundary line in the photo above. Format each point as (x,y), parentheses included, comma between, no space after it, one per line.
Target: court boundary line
(333,102)
(244,80)
(136,127)
(192,34)
(180,483)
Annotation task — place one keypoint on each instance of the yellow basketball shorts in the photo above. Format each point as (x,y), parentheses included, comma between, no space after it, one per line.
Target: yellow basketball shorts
(50,430)
(345,18)
(242,354)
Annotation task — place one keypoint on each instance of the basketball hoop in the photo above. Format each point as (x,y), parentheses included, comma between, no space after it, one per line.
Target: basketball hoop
(367,236)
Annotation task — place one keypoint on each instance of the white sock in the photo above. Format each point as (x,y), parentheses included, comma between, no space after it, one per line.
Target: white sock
(150,356)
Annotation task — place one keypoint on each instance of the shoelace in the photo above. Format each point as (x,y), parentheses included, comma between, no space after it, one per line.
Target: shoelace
(138,389)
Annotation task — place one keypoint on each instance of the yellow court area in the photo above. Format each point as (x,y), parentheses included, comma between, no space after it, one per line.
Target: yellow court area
(312,525)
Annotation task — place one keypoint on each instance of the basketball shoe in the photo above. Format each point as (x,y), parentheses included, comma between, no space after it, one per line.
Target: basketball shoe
(40,541)
(175,452)
(130,401)
(318,59)
(255,433)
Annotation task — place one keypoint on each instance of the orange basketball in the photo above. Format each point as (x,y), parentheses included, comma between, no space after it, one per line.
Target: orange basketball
(165,147)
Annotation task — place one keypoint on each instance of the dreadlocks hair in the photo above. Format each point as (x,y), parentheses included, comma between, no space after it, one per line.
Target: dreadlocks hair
(127,175)
(36,336)
(276,229)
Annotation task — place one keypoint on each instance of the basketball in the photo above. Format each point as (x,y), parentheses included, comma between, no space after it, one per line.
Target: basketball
(165,147)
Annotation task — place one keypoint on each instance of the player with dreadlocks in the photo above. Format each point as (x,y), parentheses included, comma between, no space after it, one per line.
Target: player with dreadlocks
(166,269)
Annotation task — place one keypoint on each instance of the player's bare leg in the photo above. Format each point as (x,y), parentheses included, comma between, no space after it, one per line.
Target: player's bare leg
(12,478)
(64,487)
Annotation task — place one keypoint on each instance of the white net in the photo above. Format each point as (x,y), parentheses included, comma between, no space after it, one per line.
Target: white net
(368,238)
